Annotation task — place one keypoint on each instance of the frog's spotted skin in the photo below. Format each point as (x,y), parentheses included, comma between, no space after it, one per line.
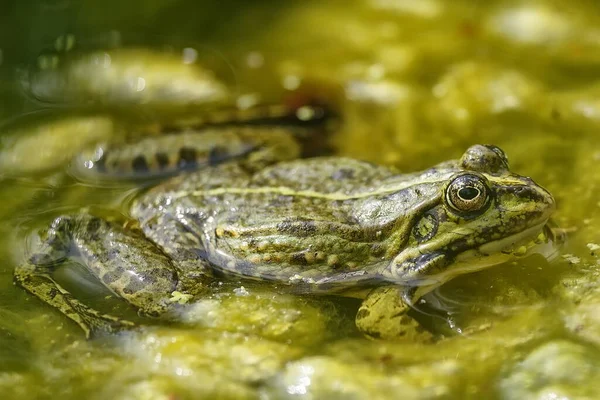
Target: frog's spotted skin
(328,225)
(312,220)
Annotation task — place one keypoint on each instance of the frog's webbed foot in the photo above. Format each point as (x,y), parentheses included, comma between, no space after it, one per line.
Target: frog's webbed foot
(125,262)
(384,315)
(37,280)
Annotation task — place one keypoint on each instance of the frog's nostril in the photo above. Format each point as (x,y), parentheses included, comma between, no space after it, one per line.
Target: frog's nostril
(527,191)
(532,193)
(521,190)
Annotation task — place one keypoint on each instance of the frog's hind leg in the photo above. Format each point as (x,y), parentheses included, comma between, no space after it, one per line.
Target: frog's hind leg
(123,261)
(178,238)
(257,138)
(157,156)
(37,279)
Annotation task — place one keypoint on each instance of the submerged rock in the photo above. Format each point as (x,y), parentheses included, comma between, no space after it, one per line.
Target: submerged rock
(327,378)
(280,317)
(556,370)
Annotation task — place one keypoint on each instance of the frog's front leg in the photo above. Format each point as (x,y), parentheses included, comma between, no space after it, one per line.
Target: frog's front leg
(124,261)
(384,315)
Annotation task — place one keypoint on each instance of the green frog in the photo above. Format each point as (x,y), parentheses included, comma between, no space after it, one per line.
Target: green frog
(327,225)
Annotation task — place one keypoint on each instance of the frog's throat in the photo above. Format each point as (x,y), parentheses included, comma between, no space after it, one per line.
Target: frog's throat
(537,239)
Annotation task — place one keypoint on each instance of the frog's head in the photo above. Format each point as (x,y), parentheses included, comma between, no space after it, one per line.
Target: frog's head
(483,215)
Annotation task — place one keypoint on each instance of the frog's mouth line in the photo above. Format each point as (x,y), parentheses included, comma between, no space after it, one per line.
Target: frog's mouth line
(523,243)
(539,239)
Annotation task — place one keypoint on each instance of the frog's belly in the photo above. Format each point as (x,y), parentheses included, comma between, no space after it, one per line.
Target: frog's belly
(292,248)
(314,272)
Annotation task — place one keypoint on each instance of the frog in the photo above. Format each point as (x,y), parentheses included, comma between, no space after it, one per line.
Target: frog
(256,209)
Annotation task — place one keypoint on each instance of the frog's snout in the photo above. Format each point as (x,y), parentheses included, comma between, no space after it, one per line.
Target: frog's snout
(531,200)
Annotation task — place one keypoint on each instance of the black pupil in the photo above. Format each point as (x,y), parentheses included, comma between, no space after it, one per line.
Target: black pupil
(468,193)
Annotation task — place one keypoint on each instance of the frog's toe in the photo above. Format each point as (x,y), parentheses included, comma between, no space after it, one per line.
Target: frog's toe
(95,323)
(105,326)
(384,315)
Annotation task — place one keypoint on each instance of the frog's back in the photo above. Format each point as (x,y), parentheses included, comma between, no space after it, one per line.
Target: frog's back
(324,175)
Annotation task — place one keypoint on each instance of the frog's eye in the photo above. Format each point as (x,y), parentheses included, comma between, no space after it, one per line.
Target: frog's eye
(468,194)
(485,158)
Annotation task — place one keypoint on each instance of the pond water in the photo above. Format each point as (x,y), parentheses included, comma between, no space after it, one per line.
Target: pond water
(413,83)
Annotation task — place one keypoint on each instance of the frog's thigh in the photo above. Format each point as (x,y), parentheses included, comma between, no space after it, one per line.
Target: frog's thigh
(384,314)
(183,248)
(127,263)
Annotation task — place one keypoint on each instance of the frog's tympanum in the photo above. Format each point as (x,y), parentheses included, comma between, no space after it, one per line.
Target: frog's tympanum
(329,225)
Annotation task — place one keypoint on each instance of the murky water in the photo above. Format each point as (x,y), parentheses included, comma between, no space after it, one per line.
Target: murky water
(414,83)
